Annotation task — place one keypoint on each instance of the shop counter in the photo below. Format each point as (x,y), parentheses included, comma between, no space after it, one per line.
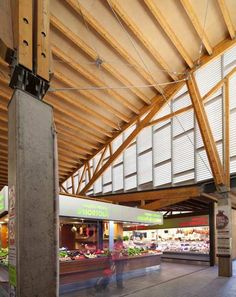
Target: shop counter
(75,271)
(187,256)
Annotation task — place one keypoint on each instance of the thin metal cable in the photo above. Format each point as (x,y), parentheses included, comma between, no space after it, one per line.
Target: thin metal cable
(131,40)
(89,88)
(163,95)
(203,33)
(87,28)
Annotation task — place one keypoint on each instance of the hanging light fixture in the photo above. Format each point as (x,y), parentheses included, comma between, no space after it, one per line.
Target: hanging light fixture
(74,228)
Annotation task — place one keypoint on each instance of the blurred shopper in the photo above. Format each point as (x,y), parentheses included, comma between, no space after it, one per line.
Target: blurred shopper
(119,262)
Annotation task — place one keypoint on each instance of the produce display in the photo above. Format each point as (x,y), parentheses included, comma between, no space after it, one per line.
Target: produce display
(66,255)
(4,256)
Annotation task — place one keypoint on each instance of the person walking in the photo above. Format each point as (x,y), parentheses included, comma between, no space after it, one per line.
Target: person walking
(119,262)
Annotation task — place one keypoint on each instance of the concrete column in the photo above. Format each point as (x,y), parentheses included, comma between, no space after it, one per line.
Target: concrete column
(33,198)
(224,235)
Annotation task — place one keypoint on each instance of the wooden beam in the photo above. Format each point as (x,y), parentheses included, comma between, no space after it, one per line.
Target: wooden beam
(155,108)
(22,18)
(67,112)
(221,48)
(81,178)
(66,152)
(162,194)
(210,196)
(76,40)
(78,129)
(196,24)
(211,92)
(74,147)
(77,104)
(169,32)
(206,132)
(226,137)
(73,137)
(134,28)
(42,39)
(89,95)
(89,76)
(227,18)
(163,203)
(112,41)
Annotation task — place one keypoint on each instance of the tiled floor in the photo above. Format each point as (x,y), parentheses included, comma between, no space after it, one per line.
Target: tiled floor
(173,280)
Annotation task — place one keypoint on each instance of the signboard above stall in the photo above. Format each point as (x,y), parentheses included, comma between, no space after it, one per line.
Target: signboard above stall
(4,201)
(91,209)
(183,222)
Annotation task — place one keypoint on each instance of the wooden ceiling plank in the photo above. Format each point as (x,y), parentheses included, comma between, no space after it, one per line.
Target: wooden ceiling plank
(76,142)
(90,135)
(72,138)
(67,153)
(196,24)
(78,118)
(74,146)
(112,41)
(163,203)
(227,18)
(92,54)
(89,76)
(169,32)
(134,28)
(80,105)
(204,126)
(89,95)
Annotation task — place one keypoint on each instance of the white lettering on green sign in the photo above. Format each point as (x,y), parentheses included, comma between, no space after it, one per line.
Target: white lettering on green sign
(150,218)
(90,210)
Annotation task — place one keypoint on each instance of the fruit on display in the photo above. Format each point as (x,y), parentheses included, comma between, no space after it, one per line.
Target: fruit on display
(4,256)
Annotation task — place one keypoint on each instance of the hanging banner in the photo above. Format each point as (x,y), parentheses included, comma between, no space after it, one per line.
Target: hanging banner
(224,240)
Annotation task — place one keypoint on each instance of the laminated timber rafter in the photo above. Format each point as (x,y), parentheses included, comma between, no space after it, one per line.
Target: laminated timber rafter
(227,18)
(56,23)
(196,24)
(211,92)
(169,32)
(220,84)
(207,136)
(162,194)
(139,126)
(111,40)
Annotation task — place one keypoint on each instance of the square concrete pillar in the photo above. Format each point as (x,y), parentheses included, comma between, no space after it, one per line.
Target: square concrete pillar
(224,235)
(33,198)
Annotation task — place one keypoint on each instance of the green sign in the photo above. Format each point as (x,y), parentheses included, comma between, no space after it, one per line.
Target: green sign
(12,275)
(2,203)
(91,210)
(150,218)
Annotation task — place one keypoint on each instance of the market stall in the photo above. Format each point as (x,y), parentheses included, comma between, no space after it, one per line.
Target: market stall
(184,238)
(90,228)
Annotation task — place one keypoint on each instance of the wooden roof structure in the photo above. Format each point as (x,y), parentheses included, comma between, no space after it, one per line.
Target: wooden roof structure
(112,61)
